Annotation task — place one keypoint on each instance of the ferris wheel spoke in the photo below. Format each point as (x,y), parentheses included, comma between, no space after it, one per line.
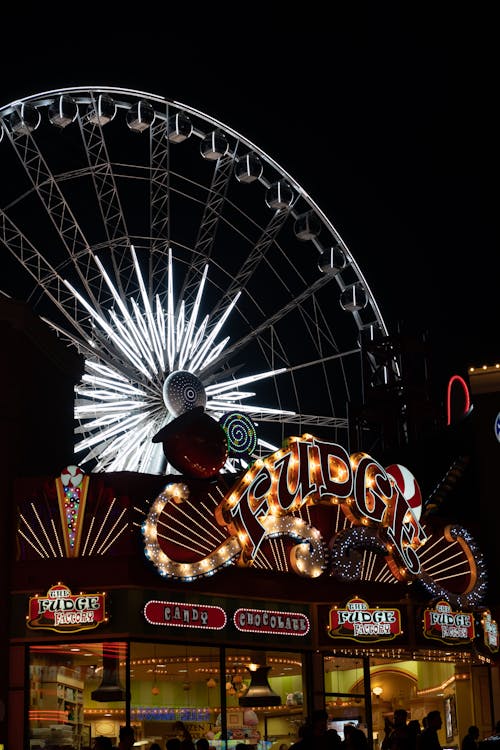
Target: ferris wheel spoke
(107,194)
(121,215)
(305,420)
(271,321)
(44,275)
(253,259)
(159,208)
(208,225)
(55,204)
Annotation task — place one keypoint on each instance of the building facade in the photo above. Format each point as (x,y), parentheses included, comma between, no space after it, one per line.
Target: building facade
(238,603)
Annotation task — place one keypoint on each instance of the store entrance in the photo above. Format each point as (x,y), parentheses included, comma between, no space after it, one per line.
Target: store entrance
(345,694)
(366,692)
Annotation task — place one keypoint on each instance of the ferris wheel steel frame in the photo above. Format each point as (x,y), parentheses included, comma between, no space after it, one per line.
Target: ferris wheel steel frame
(106,286)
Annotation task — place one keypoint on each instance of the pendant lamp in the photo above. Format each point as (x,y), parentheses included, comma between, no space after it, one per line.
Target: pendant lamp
(110,688)
(259,692)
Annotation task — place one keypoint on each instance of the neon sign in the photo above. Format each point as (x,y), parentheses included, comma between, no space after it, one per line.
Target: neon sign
(307,471)
(64,612)
(273,623)
(490,630)
(275,500)
(465,407)
(358,622)
(443,624)
(180,615)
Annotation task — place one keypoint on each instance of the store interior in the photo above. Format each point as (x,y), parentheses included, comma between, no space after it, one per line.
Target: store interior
(79,691)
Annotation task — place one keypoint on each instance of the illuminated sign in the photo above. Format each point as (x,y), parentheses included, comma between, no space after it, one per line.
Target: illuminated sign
(308,471)
(273,623)
(261,505)
(443,624)
(358,622)
(459,405)
(72,487)
(64,612)
(490,631)
(185,615)
(158,713)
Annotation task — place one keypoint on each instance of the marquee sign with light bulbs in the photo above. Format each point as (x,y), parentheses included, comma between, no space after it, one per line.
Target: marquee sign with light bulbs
(310,509)
(276,498)
(305,472)
(182,615)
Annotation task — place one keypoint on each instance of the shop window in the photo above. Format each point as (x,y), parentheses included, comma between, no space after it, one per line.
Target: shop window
(174,685)
(70,690)
(264,701)
(81,690)
(416,687)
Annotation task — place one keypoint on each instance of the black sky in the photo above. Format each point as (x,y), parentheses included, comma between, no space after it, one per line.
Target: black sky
(387,119)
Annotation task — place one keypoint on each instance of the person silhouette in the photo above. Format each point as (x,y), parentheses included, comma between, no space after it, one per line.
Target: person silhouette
(126,738)
(470,741)
(397,735)
(103,743)
(429,739)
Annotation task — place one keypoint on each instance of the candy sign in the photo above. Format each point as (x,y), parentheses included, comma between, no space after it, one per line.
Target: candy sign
(182,615)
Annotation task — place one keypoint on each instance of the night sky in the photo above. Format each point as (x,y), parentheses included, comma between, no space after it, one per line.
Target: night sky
(387,121)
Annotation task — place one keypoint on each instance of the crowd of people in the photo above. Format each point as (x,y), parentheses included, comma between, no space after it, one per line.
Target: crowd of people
(402,734)
(181,741)
(314,734)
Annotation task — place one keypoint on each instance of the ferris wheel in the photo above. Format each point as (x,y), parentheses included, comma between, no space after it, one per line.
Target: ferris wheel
(186,266)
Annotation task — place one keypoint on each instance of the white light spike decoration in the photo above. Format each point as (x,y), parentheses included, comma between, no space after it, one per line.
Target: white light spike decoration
(137,345)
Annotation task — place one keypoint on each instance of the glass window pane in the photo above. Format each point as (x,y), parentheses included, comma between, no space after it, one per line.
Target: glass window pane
(174,685)
(274,680)
(76,691)
(344,693)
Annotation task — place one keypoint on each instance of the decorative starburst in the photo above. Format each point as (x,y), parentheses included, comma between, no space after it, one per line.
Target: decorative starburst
(137,345)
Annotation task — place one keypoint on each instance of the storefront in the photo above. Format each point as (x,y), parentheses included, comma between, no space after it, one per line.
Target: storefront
(237,605)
